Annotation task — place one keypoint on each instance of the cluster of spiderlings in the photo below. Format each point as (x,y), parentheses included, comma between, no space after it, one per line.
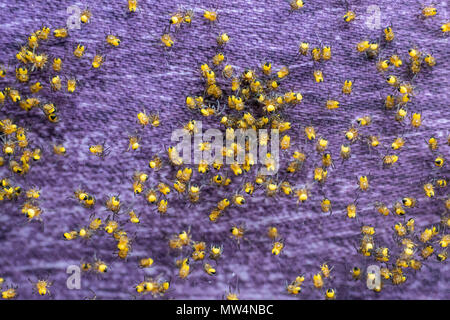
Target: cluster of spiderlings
(405,234)
(16,151)
(408,256)
(156,287)
(17,154)
(318,281)
(196,251)
(294,287)
(19,158)
(403,92)
(252,101)
(182,17)
(246,99)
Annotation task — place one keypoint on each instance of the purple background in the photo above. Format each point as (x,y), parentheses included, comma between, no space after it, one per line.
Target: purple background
(141,74)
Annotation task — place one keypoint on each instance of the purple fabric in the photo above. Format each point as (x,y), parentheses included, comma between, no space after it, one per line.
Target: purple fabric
(140,74)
